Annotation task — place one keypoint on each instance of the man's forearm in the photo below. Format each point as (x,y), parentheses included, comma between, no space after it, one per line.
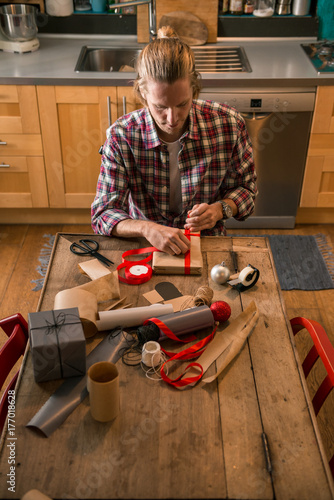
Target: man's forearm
(167,239)
(132,228)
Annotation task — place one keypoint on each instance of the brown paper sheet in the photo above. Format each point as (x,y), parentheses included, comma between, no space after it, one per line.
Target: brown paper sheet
(104,288)
(163,263)
(94,269)
(85,301)
(227,344)
(178,302)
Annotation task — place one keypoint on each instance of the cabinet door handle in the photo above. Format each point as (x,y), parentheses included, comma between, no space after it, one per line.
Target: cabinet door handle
(3,143)
(109,110)
(4,165)
(124,105)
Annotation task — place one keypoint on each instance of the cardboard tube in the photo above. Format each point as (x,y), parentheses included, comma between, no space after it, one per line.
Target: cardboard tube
(135,316)
(85,301)
(103,388)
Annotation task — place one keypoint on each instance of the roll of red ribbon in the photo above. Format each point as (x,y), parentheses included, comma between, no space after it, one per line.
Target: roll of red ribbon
(136,272)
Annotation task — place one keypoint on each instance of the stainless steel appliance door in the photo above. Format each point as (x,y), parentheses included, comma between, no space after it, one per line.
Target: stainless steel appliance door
(278,122)
(280,143)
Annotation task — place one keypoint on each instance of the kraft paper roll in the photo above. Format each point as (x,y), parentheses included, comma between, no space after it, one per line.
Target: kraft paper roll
(135,316)
(188,321)
(85,301)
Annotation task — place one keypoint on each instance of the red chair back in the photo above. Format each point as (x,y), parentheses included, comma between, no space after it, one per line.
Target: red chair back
(322,348)
(16,329)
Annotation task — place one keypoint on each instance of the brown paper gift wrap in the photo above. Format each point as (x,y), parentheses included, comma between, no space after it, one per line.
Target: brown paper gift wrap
(163,263)
(58,344)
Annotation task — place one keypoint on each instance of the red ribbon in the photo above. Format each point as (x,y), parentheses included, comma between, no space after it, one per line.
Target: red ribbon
(168,332)
(130,278)
(187,254)
(192,352)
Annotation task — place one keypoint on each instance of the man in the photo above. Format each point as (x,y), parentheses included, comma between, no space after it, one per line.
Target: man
(178,163)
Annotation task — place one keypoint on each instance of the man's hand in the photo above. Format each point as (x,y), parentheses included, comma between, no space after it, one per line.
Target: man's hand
(167,239)
(204,216)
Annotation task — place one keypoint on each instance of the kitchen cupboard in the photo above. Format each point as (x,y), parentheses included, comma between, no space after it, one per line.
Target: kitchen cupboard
(22,172)
(74,122)
(318,185)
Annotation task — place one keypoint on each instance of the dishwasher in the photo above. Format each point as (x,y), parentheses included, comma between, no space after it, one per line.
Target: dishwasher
(278,122)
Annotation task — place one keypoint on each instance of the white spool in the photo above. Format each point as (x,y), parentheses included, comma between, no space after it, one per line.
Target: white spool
(138,270)
(151,354)
(244,276)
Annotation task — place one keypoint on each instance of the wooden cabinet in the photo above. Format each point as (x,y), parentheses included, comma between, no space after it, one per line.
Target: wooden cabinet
(22,172)
(318,185)
(74,122)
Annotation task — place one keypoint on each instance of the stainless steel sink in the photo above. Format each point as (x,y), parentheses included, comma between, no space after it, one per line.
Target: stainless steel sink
(106,59)
(209,59)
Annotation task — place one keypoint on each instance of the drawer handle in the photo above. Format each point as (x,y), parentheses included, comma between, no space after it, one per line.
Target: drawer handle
(3,143)
(109,110)
(4,165)
(124,105)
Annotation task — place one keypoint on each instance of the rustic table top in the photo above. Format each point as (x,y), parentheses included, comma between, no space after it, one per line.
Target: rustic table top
(202,442)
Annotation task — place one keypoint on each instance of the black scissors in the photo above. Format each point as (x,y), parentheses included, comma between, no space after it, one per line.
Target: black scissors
(88,249)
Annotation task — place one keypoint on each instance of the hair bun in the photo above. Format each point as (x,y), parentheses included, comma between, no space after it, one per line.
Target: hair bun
(167,32)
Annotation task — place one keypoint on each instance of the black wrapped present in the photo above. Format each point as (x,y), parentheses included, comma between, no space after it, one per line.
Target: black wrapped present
(58,344)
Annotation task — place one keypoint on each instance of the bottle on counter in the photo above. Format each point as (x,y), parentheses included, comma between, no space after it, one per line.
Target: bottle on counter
(236,7)
(223,6)
(249,6)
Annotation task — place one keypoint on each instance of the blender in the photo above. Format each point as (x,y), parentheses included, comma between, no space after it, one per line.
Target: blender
(18,28)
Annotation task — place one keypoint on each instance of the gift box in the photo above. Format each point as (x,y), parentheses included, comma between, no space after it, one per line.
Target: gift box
(57,343)
(189,263)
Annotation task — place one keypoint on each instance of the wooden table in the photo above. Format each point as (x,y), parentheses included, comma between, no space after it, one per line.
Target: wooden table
(203,442)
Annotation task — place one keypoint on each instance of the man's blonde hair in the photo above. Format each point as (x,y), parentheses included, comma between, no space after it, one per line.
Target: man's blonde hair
(166,60)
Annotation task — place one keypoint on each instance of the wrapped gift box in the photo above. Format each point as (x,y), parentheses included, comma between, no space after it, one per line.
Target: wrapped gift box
(163,263)
(57,343)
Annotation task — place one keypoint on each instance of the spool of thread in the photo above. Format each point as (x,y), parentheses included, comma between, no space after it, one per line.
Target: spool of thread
(151,354)
(148,332)
(203,296)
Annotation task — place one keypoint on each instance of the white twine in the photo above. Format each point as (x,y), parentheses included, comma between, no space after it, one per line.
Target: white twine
(152,359)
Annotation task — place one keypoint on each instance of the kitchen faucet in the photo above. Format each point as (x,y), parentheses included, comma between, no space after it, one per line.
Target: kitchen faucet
(151,12)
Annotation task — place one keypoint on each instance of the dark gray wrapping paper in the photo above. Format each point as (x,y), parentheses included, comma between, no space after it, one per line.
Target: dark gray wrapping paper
(187,321)
(57,343)
(73,391)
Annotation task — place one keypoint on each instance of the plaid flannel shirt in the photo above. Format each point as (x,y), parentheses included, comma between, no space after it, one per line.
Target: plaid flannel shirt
(215,162)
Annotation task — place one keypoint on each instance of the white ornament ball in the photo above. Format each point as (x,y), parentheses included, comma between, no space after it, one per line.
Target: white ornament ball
(220,274)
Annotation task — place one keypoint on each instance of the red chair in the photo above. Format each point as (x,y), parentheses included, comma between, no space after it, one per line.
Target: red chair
(16,329)
(322,348)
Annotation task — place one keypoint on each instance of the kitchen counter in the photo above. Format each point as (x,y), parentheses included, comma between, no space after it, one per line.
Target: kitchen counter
(274,63)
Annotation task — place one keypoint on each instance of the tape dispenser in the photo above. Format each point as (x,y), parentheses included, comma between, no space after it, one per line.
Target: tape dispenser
(245,279)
